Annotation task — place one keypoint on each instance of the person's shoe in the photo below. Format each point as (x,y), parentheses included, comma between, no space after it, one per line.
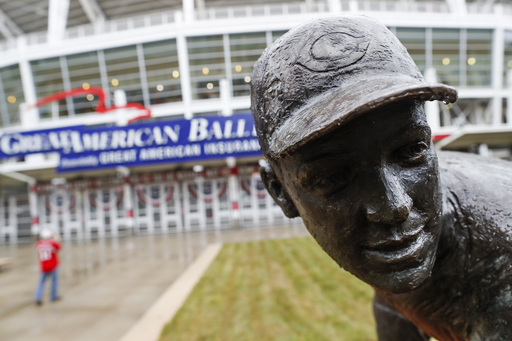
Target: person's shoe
(39,303)
(56,299)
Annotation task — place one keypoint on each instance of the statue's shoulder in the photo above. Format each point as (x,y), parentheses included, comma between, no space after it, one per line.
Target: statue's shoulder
(478,193)
(458,159)
(478,196)
(476,175)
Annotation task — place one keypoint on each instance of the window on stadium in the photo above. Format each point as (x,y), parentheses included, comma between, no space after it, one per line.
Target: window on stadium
(446,58)
(48,80)
(162,71)
(11,95)
(123,72)
(414,40)
(478,58)
(84,72)
(207,65)
(245,50)
(507,68)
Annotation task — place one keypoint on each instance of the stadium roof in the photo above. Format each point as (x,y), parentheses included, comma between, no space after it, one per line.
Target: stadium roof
(20,17)
(29,16)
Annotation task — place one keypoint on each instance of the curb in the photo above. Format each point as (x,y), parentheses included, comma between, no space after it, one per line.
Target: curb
(150,325)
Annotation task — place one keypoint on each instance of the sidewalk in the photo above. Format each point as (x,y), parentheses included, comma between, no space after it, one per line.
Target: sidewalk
(106,285)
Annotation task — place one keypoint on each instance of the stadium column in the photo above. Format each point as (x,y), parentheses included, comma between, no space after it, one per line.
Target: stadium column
(32,200)
(27,79)
(127,196)
(121,114)
(334,6)
(57,20)
(188,10)
(498,57)
(509,99)
(225,96)
(457,6)
(181,44)
(432,107)
(233,190)
(128,204)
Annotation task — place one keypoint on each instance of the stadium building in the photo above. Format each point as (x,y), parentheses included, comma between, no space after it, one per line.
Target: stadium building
(132,116)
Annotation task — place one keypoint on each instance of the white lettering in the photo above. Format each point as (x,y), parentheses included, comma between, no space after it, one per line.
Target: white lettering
(240,129)
(86,161)
(215,130)
(228,129)
(65,142)
(54,140)
(168,152)
(173,134)
(151,137)
(231,147)
(138,136)
(118,139)
(76,142)
(157,136)
(130,140)
(198,129)
(104,139)
(91,141)
(9,145)
(32,143)
(118,156)
(115,142)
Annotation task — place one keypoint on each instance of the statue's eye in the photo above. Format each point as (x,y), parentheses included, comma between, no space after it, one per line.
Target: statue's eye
(414,152)
(334,180)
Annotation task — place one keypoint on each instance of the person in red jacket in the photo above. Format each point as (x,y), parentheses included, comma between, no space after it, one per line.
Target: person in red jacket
(47,249)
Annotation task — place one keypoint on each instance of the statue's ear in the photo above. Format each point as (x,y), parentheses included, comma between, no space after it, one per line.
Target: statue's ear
(277,191)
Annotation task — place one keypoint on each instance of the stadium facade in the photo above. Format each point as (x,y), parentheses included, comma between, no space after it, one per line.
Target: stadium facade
(122,116)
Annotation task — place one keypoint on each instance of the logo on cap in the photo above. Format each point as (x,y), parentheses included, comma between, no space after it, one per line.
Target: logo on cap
(333,51)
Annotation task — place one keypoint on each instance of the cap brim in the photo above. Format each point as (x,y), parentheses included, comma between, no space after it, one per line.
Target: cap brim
(334,108)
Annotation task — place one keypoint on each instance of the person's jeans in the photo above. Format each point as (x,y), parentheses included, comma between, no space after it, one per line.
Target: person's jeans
(40,288)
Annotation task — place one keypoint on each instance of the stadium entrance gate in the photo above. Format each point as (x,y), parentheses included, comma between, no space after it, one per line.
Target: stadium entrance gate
(214,199)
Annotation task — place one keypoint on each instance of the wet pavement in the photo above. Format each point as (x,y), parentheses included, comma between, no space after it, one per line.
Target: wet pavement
(106,285)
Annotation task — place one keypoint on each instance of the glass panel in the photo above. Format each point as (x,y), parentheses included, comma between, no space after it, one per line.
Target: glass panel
(123,72)
(84,72)
(162,71)
(245,50)
(508,59)
(207,68)
(48,81)
(414,40)
(467,111)
(504,117)
(479,60)
(445,55)
(12,95)
(277,34)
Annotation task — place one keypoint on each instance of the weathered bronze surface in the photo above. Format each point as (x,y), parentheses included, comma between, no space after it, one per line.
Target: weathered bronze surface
(338,106)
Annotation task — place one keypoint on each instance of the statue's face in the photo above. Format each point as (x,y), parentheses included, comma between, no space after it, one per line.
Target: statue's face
(369,194)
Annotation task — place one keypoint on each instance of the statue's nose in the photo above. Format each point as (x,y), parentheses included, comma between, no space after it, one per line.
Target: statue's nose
(388,201)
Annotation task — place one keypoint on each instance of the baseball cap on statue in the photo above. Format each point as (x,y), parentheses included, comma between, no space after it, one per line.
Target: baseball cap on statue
(326,72)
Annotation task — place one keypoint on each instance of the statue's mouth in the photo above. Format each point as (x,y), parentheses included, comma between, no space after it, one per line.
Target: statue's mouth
(401,248)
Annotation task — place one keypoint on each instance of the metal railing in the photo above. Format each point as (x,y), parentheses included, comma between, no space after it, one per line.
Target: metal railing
(257,10)
(401,6)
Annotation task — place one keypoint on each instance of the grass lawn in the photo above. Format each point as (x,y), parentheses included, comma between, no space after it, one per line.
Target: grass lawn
(275,290)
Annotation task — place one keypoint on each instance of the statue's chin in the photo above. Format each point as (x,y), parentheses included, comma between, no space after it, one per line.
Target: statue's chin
(402,282)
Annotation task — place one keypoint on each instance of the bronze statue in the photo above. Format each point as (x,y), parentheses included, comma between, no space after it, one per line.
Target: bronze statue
(338,106)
